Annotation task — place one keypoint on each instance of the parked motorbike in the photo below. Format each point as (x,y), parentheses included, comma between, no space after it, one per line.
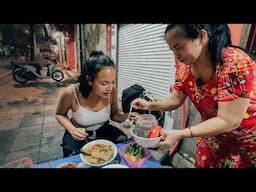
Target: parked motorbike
(23,71)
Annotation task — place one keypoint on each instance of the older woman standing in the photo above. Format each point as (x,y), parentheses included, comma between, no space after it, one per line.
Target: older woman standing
(220,79)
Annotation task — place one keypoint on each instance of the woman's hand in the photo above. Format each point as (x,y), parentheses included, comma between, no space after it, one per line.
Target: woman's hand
(129,121)
(79,134)
(140,104)
(132,116)
(170,137)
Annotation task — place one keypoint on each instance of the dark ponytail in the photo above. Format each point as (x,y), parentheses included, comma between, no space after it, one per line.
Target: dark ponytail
(219,38)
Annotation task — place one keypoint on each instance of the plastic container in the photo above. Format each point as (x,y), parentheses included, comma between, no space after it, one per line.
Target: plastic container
(130,163)
(20,163)
(146,121)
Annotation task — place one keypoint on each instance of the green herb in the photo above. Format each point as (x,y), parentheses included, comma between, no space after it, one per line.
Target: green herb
(115,162)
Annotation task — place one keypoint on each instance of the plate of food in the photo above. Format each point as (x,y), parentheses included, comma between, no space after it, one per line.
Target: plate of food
(66,165)
(98,153)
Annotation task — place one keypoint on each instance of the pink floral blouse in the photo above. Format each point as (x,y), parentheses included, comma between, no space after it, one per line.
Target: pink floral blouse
(235,78)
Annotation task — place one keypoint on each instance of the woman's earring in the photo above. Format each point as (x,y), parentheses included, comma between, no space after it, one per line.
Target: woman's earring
(88,79)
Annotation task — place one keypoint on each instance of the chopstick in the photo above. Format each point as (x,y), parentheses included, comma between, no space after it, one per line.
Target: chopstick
(85,153)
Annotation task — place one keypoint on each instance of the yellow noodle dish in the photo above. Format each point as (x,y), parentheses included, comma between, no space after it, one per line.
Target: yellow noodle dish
(98,152)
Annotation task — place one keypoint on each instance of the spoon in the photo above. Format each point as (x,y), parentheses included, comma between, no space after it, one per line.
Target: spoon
(130,110)
(127,123)
(130,121)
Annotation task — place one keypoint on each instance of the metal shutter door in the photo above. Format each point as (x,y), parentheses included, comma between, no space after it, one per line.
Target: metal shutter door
(144,58)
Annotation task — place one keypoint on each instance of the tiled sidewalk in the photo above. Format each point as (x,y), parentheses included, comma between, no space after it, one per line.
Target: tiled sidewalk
(28,126)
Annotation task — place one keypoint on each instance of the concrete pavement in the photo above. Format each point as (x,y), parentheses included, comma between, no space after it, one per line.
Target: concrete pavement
(28,127)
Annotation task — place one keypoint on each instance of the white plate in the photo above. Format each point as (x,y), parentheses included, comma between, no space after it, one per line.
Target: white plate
(115,166)
(82,165)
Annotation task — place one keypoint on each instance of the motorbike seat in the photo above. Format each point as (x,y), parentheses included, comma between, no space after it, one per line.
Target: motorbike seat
(19,62)
(31,63)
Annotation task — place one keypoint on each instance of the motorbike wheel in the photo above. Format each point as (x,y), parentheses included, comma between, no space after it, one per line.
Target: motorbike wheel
(58,75)
(19,76)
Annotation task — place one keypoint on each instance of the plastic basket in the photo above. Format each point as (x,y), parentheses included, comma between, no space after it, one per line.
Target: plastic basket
(144,141)
(130,163)
(20,163)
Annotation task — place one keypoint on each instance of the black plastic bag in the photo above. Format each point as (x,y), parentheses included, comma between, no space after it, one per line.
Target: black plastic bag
(129,94)
(137,91)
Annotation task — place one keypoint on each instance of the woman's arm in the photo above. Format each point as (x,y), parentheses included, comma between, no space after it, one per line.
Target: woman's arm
(229,116)
(63,106)
(116,114)
(173,102)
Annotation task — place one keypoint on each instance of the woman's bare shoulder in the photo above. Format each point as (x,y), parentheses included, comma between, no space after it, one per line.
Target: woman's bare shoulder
(67,91)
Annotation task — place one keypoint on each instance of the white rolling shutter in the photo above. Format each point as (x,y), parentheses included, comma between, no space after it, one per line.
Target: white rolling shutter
(144,58)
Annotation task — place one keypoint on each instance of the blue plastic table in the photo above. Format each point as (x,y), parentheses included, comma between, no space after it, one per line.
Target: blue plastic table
(150,163)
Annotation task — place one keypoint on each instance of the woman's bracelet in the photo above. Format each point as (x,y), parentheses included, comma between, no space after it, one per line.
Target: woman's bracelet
(191,134)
